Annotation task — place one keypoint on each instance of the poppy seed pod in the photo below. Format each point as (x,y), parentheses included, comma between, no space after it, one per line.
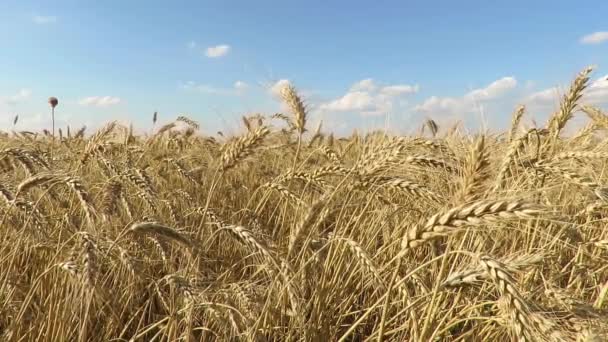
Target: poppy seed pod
(53,101)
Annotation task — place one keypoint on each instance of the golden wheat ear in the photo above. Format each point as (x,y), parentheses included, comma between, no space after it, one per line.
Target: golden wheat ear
(295,103)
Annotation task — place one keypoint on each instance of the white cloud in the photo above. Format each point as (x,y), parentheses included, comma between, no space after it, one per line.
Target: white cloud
(44,19)
(438,104)
(100,101)
(21,96)
(544,102)
(240,85)
(275,89)
(397,90)
(595,38)
(237,88)
(367,84)
(352,101)
(368,98)
(543,97)
(217,51)
(597,93)
(468,102)
(494,90)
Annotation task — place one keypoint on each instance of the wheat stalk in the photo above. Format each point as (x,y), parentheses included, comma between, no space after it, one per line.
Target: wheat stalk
(481,212)
(242,147)
(158,229)
(475,172)
(525,323)
(569,103)
(293,100)
(517,115)
(193,124)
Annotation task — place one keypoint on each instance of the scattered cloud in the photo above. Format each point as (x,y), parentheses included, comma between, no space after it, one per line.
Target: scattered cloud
(494,90)
(469,102)
(368,98)
(367,85)
(217,51)
(240,85)
(543,97)
(544,102)
(237,88)
(44,19)
(20,96)
(439,104)
(595,38)
(597,93)
(351,101)
(398,90)
(100,101)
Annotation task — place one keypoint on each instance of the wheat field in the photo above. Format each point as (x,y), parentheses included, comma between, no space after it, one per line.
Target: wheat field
(285,233)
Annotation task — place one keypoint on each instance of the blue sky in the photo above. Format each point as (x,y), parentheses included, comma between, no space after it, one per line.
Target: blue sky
(357,63)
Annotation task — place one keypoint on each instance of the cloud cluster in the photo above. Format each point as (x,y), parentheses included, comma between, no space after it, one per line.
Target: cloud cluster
(543,97)
(217,51)
(470,101)
(368,98)
(595,94)
(239,87)
(595,38)
(100,101)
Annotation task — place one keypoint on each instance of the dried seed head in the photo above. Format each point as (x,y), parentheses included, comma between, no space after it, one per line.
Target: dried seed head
(293,100)
(53,102)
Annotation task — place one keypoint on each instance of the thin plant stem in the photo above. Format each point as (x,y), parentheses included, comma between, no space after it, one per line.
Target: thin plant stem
(53,119)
